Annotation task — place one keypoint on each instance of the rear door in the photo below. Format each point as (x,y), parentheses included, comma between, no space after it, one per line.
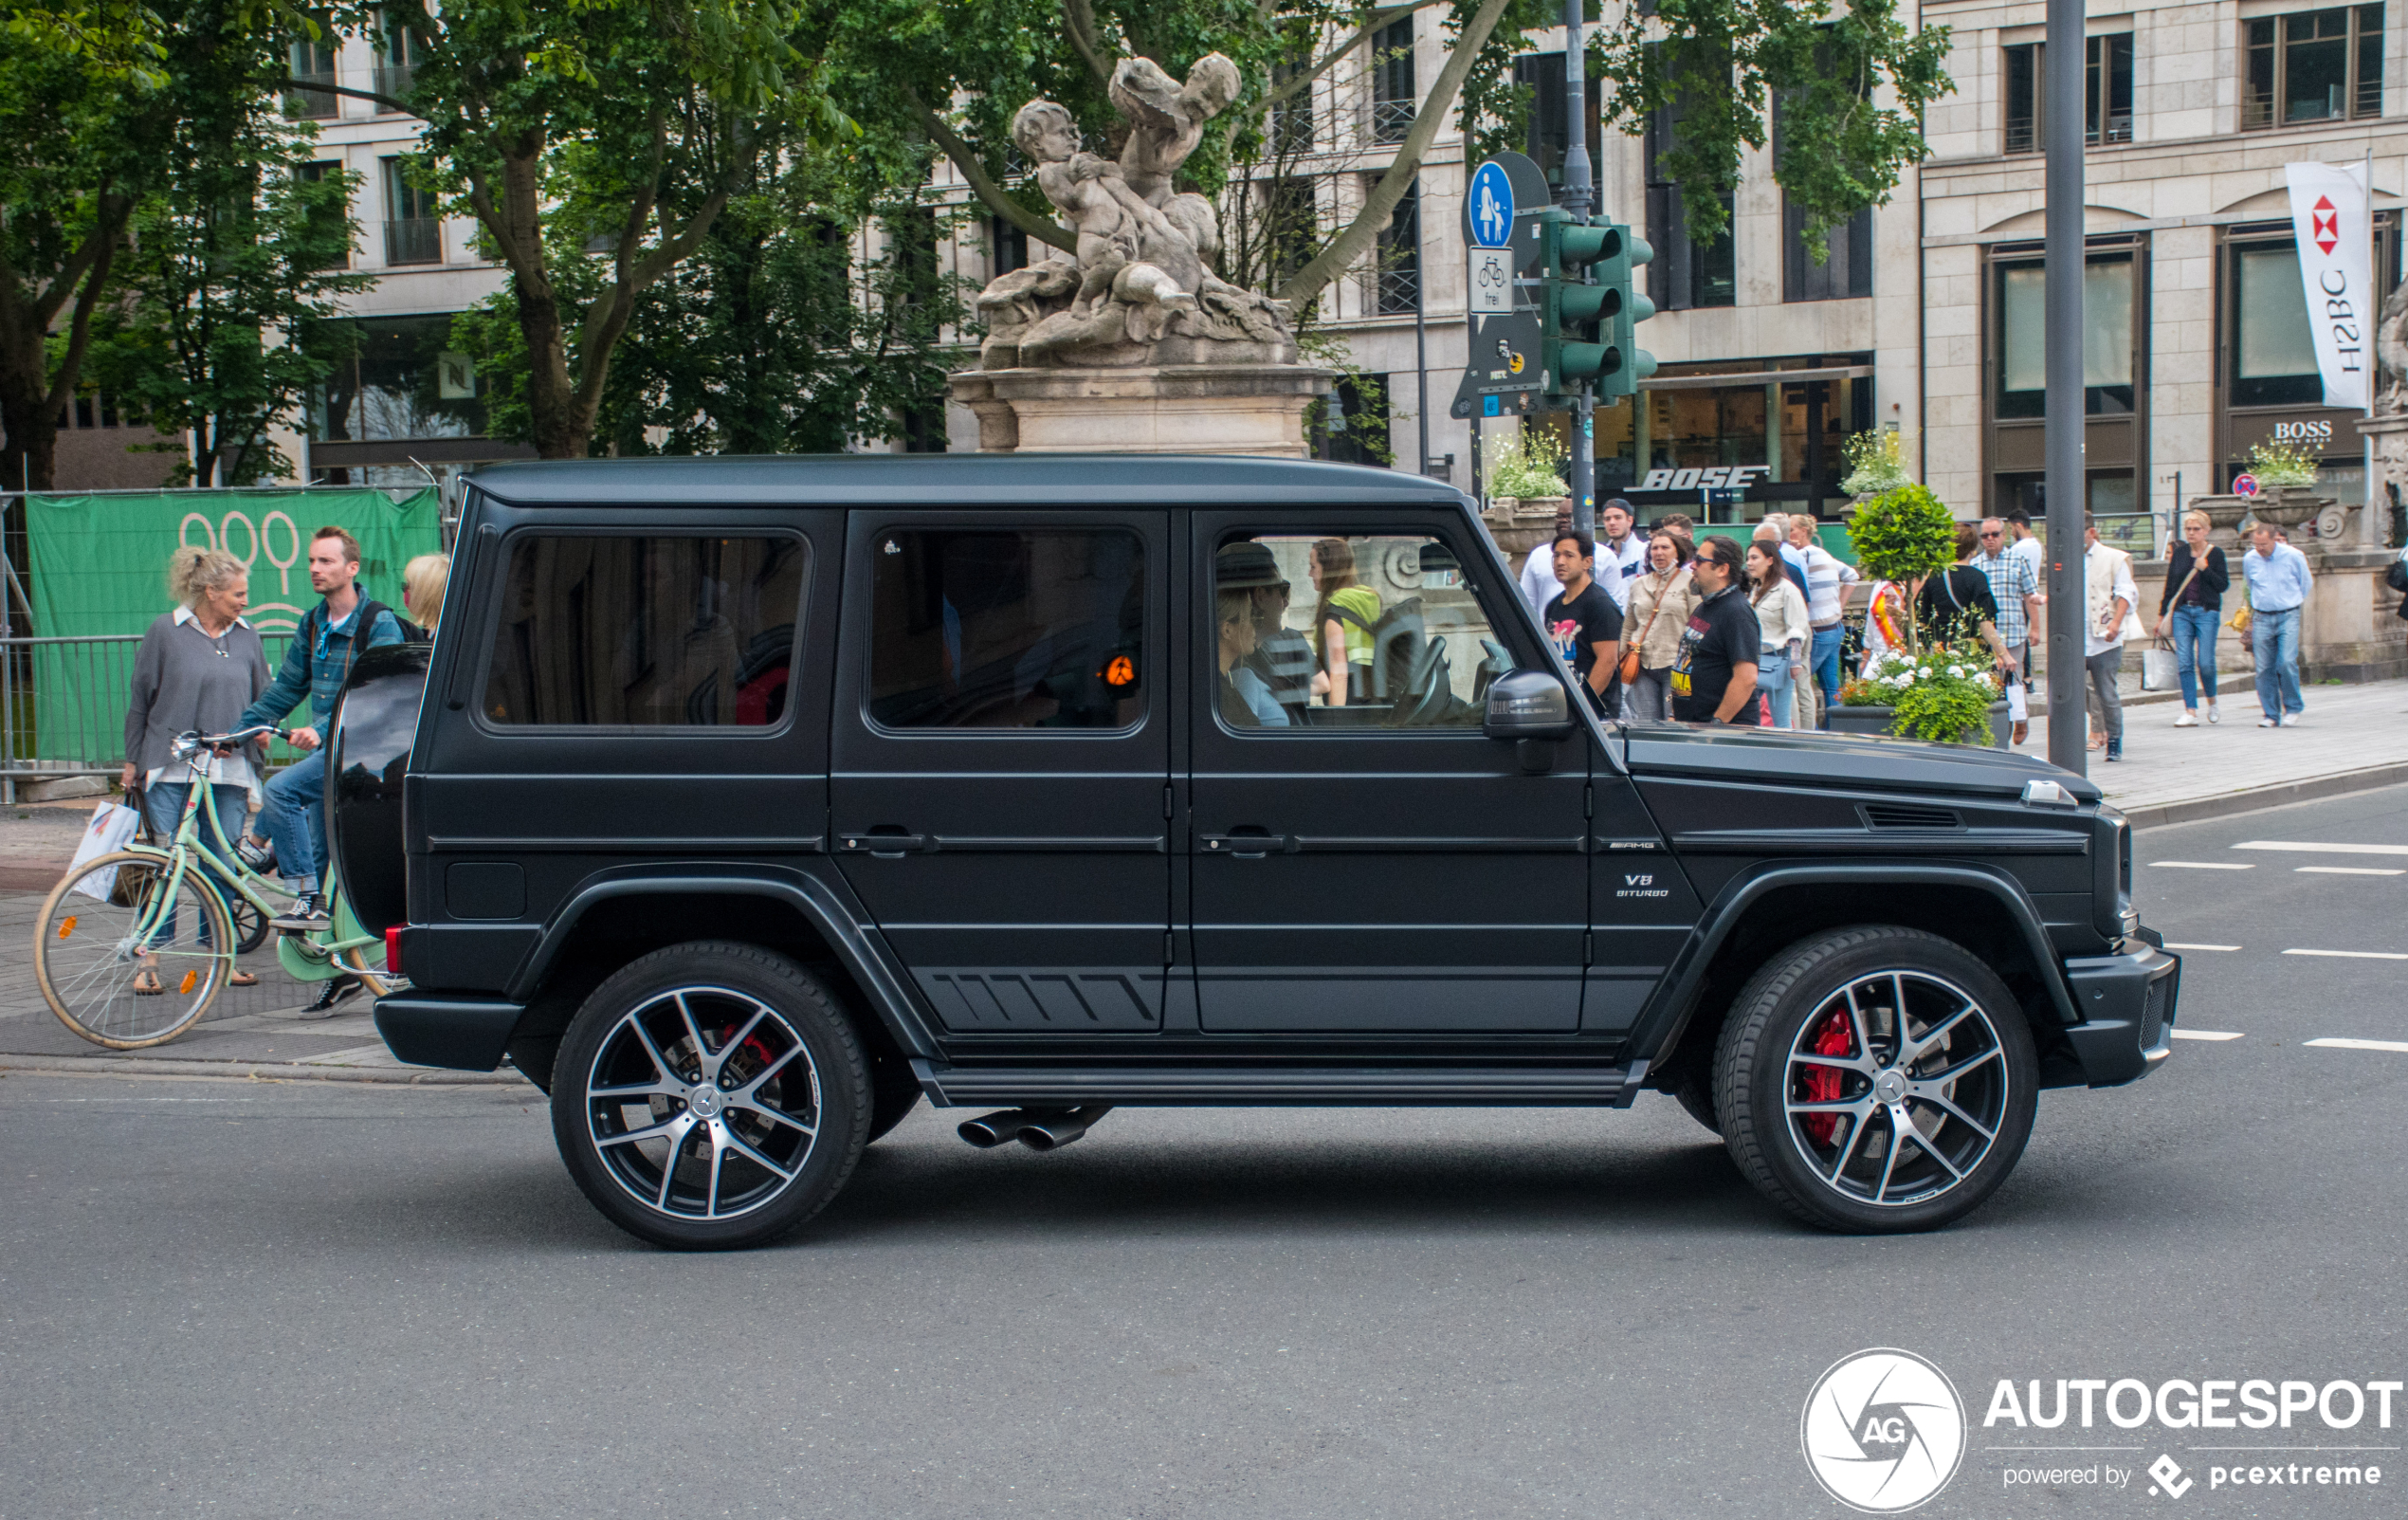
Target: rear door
(1373,863)
(1001,762)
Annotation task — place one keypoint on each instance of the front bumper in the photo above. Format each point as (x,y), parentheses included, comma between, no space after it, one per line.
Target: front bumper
(2127,1005)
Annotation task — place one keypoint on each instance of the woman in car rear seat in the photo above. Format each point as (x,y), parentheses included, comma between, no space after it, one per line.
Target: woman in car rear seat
(1246,698)
(1341,623)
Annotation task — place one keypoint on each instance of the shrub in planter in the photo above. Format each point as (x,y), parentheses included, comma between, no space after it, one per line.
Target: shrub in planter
(1904,534)
(1942,694)
(1524,464)
(1876,463)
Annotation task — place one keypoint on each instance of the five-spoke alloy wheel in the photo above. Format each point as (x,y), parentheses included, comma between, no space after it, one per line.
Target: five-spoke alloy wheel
(710,1096)
(1877,1079)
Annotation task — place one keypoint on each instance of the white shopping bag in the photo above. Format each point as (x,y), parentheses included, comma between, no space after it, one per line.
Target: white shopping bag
(2157,669)
(2018,705)
(112,825)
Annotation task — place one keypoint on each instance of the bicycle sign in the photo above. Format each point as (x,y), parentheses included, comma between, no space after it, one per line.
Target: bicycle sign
(1491,280)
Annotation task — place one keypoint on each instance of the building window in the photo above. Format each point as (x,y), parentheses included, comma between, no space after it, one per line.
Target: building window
(398,378)
(1847,269)
(1685,274)
(1391,81)
(1291,225)
(1353,423)
(2274,346)
(1007,248)
(397,47)
(1543,75)
(1399,271)
(2021,304)
(2315,65)
(312,61)
(1292,124)
(647,633)
(2107,105)
(412,235)
(331,216)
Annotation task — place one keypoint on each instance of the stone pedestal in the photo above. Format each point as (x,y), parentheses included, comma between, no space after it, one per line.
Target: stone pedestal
(1163,408)
(1517,524)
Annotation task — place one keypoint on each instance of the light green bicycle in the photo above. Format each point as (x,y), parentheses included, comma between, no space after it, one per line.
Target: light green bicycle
(123,966)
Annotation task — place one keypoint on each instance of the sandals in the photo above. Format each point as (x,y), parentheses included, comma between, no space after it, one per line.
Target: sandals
(242,978)
(146,980)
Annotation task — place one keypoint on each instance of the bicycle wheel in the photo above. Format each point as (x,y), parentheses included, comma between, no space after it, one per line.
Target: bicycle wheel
(88,948)
(251,924)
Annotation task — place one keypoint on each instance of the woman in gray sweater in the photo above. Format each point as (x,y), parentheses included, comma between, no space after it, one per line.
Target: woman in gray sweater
(199,667)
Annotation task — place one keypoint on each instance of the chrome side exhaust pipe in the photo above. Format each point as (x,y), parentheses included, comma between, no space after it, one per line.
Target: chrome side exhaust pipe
(1052,1131)
(998,1128)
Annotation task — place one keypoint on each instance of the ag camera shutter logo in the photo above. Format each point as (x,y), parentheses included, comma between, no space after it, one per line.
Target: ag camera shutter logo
(1883,1431)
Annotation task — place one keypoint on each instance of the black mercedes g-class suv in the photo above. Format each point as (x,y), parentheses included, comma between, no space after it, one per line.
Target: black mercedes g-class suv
(744,802)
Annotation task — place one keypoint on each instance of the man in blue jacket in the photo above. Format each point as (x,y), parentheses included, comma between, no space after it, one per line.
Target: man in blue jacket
(329,638)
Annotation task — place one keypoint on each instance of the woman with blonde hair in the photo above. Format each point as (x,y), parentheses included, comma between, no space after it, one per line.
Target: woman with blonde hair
(422,587)
(199,667)
(1342,622)
(1661,601)
(2196,580)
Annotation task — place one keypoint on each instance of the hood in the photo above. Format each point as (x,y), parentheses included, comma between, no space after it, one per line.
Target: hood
(1813,759)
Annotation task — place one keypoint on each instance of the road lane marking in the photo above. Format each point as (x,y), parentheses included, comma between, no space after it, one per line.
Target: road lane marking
(2204,1034)
(2355,870)
(2399,1047)
(2354,955)
(2172,945)
(2202,864)
(2322,850)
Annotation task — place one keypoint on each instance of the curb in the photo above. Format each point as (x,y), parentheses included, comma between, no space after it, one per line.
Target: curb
(413,1076)
(2309,789)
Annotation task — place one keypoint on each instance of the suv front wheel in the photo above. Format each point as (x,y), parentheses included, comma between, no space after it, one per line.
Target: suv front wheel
(1877,1079)
(710,1096)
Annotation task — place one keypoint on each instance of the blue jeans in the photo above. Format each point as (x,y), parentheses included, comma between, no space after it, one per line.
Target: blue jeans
(2274,639)
(1822,658)
(2195,645)
(163,810)
(294,816)
(1772,678)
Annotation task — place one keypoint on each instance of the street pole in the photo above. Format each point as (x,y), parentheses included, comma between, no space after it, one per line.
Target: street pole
(1574,198)
(2062,132)
(1421,335)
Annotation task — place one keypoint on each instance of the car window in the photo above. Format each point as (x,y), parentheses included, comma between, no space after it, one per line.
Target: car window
(620,632)
(1348,632)
(1030,628)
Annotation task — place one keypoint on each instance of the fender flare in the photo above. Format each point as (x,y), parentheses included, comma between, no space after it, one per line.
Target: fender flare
(863,951)
(1667,1016)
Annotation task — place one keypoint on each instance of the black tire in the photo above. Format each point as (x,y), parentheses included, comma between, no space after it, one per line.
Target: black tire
(251,924)
(710,1097)
(893,1093)
(1696,1095)
(1856,1118)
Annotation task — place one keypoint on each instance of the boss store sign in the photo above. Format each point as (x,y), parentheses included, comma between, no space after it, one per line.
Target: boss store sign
(2322,433)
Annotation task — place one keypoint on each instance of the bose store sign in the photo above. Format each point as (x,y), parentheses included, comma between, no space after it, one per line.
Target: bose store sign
(1713,477)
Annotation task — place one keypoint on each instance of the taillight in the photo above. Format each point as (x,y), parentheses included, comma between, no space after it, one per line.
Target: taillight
(393,949)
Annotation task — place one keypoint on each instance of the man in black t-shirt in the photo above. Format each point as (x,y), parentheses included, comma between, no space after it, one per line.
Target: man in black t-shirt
(1714,674)
(1582,620)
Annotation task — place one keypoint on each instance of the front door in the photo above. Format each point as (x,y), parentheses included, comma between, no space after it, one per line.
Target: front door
(1002,768)
(1364,861)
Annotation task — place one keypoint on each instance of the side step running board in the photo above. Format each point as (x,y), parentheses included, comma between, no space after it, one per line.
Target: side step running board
(1071,1087)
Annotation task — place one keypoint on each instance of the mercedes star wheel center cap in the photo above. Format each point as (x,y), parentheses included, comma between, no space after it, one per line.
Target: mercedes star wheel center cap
(1889,1086)
(704,1102)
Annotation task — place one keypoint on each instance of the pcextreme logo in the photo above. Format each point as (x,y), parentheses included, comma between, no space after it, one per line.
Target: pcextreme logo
(1883,1431)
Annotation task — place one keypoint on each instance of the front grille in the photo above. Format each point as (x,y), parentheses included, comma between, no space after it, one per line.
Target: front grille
(1908,815)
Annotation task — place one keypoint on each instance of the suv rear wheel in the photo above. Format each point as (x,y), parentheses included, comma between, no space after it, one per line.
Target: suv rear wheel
(1877,1079)
(710,1096)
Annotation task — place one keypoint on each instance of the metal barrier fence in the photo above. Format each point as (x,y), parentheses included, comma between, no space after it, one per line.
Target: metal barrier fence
(77,728)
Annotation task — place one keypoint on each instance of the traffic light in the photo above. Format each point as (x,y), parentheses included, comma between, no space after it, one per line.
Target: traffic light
(1625,307)
(1572,346)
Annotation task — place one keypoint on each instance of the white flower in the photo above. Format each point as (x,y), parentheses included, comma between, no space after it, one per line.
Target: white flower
(1956,673)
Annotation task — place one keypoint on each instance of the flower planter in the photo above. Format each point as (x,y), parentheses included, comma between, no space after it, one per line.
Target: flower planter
(1846,720)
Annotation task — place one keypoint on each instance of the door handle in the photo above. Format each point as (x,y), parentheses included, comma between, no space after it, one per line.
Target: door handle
(881,845)
(1247,845)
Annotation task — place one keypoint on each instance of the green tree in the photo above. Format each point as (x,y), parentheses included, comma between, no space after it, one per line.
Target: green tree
(560,126)
(235,273)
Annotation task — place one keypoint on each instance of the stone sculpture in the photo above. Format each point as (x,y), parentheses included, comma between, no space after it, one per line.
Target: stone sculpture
(1140,288)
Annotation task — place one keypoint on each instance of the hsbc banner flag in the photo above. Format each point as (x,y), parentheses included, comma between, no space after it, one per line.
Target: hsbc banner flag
(2330,217)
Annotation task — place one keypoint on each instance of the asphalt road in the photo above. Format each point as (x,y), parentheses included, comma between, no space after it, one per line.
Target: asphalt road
(251,1299)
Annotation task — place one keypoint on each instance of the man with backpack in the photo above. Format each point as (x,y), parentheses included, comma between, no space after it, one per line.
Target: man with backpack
(331,635)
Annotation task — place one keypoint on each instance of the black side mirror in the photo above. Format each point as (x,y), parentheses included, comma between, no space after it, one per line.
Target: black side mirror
(1529,704)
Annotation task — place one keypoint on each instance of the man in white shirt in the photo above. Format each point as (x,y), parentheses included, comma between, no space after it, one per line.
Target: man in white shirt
(1621,554)
(2109,597)
(1827,583)
(1538,585)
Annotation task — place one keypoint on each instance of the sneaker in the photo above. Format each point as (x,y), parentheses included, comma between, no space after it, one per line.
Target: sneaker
(2266,722)
(340,990)
(2291,719)
(2188,719)
(258,856)
(2115,749)
(2213,716)
(307,917)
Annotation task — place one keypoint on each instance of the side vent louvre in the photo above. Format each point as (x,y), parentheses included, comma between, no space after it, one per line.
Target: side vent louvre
(1908,815)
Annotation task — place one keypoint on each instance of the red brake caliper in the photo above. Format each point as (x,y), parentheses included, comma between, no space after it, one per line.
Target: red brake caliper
(1823,1083)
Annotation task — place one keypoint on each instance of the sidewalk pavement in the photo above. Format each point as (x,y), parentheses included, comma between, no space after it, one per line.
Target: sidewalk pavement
(2351,738)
